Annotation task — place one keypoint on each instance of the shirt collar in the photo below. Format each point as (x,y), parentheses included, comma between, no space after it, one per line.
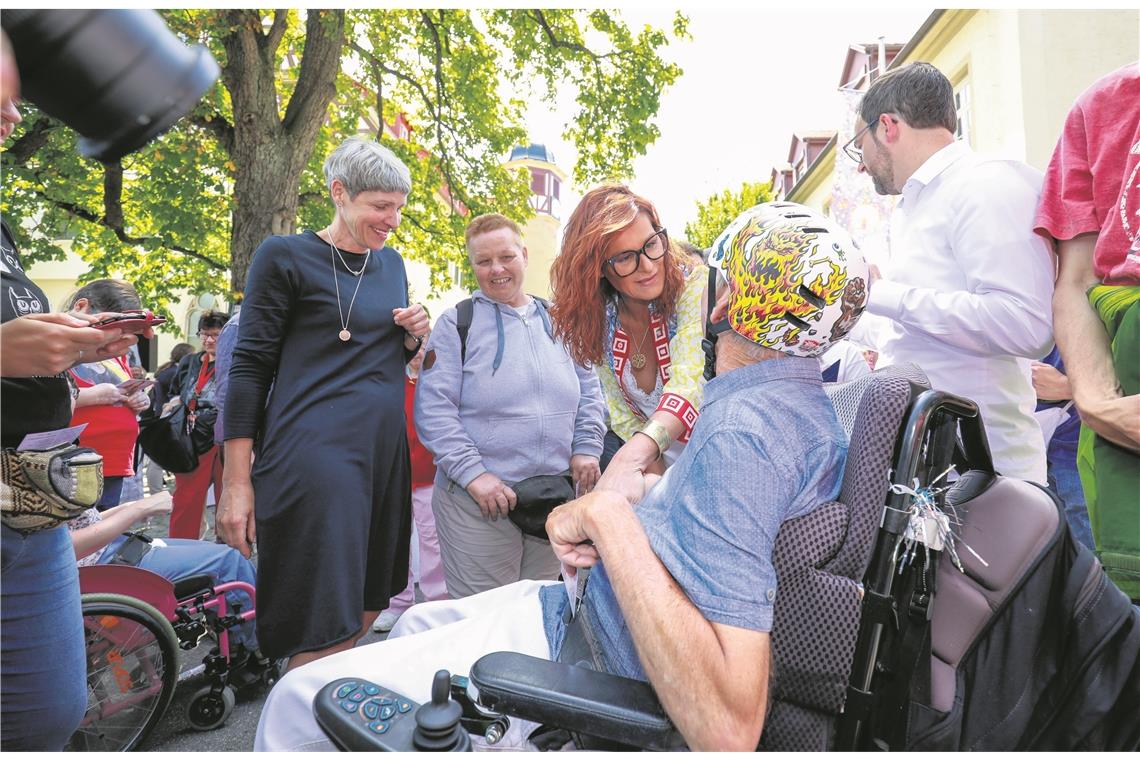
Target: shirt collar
(939,162)
(743,378)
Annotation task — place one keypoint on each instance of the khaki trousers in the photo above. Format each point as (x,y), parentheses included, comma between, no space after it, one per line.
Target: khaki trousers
(481,554)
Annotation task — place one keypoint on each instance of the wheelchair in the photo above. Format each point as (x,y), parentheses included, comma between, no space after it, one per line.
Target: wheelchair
(135,621)
(863,657)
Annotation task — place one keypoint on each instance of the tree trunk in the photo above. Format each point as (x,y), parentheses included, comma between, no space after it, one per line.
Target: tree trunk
(270,152)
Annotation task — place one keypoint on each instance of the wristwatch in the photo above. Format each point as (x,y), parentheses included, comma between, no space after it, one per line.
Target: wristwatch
(660,435)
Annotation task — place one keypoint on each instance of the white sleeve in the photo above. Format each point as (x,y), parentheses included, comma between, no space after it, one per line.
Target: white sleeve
(1006,308)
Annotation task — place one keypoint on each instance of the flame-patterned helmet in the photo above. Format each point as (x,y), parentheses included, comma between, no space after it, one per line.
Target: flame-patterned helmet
(798,282)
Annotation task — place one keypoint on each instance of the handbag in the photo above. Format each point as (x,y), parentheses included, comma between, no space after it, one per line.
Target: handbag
(168,442)
(41,489)
(202,423)
(536,499)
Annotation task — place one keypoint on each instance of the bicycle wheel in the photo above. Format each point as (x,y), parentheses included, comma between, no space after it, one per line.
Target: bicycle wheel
(132,668)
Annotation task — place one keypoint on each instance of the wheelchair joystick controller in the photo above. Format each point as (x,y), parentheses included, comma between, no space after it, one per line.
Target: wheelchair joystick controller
(437,723)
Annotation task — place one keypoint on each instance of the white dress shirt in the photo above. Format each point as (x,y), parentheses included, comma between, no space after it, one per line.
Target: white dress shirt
(967,293)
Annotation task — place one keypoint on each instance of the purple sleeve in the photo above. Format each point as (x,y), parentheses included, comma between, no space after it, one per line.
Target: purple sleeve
(222,361)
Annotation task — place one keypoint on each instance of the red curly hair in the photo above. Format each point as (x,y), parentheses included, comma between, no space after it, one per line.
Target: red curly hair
(580,291)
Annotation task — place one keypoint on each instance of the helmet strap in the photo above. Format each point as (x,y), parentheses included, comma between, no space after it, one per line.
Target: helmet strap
(712,329)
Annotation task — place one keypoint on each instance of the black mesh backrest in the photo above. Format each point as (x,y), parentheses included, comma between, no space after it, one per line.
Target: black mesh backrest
(821,558)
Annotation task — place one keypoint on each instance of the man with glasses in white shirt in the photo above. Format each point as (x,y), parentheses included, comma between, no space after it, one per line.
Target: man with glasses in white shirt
(966,293)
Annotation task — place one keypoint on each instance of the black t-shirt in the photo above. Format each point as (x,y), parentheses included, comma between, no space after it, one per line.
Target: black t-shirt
(27,404)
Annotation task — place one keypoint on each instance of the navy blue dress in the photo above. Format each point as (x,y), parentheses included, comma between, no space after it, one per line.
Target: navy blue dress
(331,474)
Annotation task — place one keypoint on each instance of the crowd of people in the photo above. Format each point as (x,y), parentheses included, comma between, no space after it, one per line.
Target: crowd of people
(364,454)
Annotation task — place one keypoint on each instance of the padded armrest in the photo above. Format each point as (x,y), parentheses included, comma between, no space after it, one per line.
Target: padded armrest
(577,699)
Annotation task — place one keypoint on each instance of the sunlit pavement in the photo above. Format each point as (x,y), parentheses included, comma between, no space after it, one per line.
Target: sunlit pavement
(174,733)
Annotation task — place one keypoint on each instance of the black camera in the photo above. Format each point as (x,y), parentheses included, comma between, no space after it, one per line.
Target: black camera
(117,77)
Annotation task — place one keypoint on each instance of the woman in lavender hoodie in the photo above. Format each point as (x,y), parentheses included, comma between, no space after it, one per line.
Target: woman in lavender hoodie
(514,405)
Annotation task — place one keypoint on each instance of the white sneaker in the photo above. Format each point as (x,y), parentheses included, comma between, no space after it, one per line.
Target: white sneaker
(385,622)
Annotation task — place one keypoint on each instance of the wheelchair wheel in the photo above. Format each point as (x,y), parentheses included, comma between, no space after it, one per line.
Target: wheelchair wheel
(209,709)
(132,669)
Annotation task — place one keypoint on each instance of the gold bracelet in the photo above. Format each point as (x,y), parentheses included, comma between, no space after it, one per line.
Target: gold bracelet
(660,435)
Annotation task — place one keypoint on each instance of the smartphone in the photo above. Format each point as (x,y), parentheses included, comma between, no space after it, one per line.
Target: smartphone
(132,386)
(130,321)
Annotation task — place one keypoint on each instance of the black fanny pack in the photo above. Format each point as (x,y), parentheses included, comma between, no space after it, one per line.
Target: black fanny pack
(537,498)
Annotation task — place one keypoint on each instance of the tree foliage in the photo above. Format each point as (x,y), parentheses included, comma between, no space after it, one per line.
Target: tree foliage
(187,211)
(714,214)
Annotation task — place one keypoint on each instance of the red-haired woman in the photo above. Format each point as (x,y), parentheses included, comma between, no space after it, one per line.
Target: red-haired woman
(629,303)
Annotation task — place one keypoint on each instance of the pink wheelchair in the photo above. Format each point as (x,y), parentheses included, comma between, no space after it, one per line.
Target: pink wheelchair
(134,622)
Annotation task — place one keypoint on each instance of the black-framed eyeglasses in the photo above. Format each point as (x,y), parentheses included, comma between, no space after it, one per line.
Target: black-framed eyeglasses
(851,147)
(625,263)
(209,336)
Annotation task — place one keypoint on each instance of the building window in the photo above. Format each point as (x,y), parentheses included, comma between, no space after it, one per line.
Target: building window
(962,105)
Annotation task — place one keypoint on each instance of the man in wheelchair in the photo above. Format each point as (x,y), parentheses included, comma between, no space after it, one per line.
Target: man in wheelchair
(681,586)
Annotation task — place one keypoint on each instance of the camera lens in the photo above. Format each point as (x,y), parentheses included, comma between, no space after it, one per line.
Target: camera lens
(117,77)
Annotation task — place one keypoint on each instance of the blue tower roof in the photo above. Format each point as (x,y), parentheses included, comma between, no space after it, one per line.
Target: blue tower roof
(534,151)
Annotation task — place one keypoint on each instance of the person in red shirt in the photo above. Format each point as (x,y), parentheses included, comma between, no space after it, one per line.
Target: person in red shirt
(430,572)
(1090,204)
(109,399)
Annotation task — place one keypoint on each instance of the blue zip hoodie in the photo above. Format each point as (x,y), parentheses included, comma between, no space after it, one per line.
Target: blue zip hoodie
(526,417)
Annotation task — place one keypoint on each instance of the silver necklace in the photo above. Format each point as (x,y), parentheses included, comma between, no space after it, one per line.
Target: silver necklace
(344,334)
(353,272)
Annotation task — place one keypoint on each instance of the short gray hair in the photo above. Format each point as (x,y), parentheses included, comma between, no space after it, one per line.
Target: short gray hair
(365,165)
(917,92)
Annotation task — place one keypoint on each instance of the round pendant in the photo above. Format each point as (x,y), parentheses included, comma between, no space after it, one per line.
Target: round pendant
(345,335)
(637,360)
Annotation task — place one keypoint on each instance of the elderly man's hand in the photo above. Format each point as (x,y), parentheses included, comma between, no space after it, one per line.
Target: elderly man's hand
(575,526)
(568,537)
(494,497)
(627,479)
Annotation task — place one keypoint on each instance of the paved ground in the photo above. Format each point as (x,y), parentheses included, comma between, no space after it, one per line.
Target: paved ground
(174,732)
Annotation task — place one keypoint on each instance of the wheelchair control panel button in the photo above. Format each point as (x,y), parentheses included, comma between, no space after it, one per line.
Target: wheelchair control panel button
(361,716)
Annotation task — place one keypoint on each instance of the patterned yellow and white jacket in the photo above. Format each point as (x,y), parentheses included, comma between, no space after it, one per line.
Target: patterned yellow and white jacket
(677,344)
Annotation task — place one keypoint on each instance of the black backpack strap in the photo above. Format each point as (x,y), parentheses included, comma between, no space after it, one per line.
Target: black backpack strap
(464,310)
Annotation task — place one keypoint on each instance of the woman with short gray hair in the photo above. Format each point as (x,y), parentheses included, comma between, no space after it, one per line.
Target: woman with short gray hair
(326,324)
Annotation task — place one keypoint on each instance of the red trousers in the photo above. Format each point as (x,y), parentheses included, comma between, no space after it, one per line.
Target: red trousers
(190,495)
